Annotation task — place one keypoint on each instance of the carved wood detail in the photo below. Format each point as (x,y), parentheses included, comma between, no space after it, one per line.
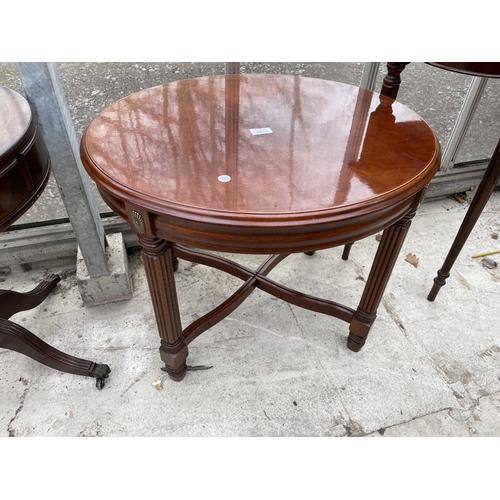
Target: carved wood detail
(490,178)
(157,258)
(486,187)
(17,338)
(385,259)
(390,85)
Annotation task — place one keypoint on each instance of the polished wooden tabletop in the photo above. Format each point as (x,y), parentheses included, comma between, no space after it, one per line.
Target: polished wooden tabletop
(331,144)
(15,118)
(193,150)
(24,159)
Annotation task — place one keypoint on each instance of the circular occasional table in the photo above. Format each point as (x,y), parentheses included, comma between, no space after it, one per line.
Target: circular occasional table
(259,164)
(24,172)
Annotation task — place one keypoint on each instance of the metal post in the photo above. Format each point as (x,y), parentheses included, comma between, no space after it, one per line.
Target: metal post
(469,107)
(232,68)
(45,93)
(369,75)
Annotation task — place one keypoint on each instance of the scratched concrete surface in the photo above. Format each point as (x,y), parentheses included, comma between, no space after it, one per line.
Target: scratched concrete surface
(427,369)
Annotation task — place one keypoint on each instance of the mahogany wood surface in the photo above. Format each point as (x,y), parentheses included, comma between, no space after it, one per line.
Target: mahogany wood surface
(340,160)
(24,172)
(491,176)
(24,159)
(341,163)
(481,69)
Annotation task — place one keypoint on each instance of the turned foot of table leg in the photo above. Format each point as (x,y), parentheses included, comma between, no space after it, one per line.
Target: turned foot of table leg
(439,282)
(488,183)
(354,342)
(174,356)
(359,328)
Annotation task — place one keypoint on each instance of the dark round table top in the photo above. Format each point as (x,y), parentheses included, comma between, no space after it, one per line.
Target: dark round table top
(24,159)
(259,150)
(331,144)
(15,119)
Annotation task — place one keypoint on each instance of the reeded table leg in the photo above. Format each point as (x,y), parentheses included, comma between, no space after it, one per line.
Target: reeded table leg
(385,258)
(159,269)
(486,187)
(16,338)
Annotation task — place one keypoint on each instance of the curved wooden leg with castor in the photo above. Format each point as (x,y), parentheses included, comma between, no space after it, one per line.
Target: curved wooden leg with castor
(159,268)
(486,187)
(385,259)
(13,302)
(17,338)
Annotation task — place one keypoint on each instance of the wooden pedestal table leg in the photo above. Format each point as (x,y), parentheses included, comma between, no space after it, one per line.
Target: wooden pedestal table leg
(159,268)
(486,187)
(385,258)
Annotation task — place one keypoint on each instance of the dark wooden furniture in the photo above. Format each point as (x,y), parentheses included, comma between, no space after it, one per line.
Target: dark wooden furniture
(24,172)
(187,165)
(491,177)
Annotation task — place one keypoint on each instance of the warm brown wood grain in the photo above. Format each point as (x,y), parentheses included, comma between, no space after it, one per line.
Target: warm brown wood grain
(340,164)
(24,159)
(392,80)
(481,69)
(157,258)
(385,259)
(163,149)
(490,180)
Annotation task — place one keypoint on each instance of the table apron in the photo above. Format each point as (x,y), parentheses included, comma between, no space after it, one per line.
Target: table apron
(277,238)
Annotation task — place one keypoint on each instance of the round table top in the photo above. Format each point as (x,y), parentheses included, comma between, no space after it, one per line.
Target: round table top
(15,119)
(259,147)
(24,159)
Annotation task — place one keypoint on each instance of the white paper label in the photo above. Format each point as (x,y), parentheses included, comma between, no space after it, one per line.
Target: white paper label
(259,131)
(224,178)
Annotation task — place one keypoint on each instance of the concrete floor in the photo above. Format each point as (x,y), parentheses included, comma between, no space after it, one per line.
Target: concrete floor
(427,369)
